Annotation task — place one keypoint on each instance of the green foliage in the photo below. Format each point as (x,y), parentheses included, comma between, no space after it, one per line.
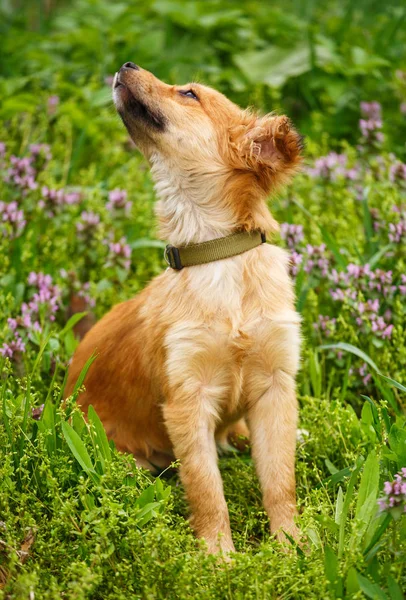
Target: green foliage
(78,520)
(313,63)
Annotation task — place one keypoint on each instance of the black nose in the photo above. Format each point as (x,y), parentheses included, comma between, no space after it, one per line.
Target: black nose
(130,65)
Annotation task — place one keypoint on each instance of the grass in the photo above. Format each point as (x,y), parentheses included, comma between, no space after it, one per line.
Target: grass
(77,519)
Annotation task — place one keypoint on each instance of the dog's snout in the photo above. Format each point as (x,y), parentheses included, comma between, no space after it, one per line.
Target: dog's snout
(130,65)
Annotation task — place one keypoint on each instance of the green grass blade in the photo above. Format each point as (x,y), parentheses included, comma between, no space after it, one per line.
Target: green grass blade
(71,323)
(394,383)
(370,589)
(375,258)
(83,373)
(353,349)
(346,506)
(61,391)
(331,571)
(384,522)
(368,489)
(78,450)
(101,437)
(339,476)
(46,425)
(27,398)
(339,506)
(394,589)
(361,354)
(146,243)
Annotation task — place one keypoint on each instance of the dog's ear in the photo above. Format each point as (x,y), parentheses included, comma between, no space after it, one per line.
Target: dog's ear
(269,143)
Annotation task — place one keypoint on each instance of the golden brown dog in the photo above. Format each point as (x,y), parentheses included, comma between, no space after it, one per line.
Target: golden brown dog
(203,347)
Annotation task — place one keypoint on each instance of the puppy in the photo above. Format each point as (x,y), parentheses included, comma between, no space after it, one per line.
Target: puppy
(204,346)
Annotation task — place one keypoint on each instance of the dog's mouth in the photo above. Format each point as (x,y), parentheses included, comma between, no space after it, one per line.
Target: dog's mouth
(116,81)
(132,109)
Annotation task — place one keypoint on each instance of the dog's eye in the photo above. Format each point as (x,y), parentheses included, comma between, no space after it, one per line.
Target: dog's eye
(189,94)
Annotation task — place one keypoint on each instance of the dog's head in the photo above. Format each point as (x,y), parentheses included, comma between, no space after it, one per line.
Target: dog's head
(203,147)
(193,123)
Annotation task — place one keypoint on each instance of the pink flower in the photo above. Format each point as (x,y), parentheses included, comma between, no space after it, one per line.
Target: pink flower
(332,166)
(120,254)
(118,201)
(371,123)
(53,201)
(15,346)
(292,234)
(13,218)
(21,173)
(371,110)
(88,224)
(395,494)
(52,104)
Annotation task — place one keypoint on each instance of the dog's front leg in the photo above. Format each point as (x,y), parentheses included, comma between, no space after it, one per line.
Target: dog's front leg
(272,422)
(191,428)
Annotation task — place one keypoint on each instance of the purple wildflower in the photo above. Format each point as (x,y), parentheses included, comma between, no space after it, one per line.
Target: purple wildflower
(52,104)
(40,151)
(292,234)
(77,287)
(371,124)
(44,302)
(52,201)
(361,279)
(329,167)
(317,260)
(397,231)
(83,292)
(326,325)
(12,218)
(118,201)
(332,166)
(21,173)
(89,222)
(119,254)
(2,149)
(42,305)
(363,371)
(394,499)
(13,347)
(296,260)
(371,110)
(397,172)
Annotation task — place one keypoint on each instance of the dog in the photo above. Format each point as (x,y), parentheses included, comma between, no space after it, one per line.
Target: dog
(203,347)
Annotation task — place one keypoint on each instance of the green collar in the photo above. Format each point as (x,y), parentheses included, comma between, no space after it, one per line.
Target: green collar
(200,254)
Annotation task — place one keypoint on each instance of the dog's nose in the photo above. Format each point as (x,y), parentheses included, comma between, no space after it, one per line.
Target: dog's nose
(130,65)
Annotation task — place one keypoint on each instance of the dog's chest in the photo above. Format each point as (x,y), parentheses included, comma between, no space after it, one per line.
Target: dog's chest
(242,290)
(238,312)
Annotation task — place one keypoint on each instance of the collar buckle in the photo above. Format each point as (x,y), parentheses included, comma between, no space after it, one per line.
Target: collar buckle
(172,257)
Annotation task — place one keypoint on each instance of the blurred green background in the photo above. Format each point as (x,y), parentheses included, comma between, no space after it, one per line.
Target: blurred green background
(314,60)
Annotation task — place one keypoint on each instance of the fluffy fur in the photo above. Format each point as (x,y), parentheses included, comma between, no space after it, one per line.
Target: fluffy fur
(182,363)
